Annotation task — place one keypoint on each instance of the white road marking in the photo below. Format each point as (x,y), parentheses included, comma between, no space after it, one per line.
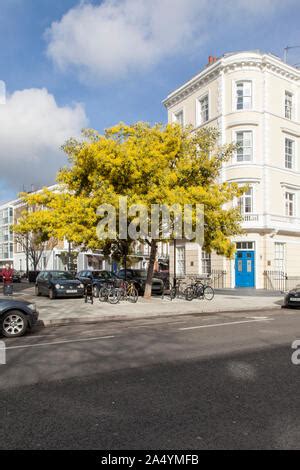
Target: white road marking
(155,325)
(259,318)
(57,342)
(223,324)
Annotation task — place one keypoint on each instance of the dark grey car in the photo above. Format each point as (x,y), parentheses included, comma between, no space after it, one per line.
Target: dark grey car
(16,316)
(292,298)
(138,277)
(97,278)
(58,284)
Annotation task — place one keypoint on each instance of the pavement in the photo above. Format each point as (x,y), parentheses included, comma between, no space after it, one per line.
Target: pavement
(65,311)
(221,381)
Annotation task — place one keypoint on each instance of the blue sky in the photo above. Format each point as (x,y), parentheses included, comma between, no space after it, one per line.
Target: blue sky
(70,64)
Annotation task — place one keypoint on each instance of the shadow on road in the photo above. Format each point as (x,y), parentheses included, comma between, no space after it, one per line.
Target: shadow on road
(234,401)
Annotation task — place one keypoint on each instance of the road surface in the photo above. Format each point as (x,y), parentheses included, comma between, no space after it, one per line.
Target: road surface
(192,382)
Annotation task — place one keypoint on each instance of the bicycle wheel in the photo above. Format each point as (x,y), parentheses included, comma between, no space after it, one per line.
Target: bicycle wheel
(132,295)
(189,293)
(122,293)
(208,293)
(103,294)
(199,290)
(113,295)
(173,293)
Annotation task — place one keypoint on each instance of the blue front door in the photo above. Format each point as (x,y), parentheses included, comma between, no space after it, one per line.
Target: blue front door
(244,269)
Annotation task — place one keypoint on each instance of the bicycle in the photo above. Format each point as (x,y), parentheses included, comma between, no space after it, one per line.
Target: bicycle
(109,293)
(167,290)
(199,290)
(128,291)
(178,290)
(88,293)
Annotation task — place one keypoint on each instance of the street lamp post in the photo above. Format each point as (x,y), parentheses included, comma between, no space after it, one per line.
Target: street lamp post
(27,256)
(69,256)
(174,279)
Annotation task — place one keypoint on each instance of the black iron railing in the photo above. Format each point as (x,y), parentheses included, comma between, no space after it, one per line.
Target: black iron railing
(275,280)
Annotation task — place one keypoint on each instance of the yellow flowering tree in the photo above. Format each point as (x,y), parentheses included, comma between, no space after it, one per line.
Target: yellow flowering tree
(161,164)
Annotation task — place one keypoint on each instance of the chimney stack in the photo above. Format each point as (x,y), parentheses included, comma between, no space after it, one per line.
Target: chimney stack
(212,59)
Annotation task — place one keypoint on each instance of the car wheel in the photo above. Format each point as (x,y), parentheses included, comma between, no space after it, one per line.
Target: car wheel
(96,291)
(37,291)
(14,323)
(52,295)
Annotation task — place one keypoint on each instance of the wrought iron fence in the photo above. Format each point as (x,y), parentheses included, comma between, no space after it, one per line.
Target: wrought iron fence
(219,279)
(280,281)
(275,280)
(291,282)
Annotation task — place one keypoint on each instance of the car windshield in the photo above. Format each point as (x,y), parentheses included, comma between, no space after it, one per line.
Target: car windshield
(98,275)
(140,273)
(103,274)
(61,275)
(111,275)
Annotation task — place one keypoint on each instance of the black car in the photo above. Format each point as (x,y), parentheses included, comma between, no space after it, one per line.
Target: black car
(16,316)
(139,276)
(58,284)
(292,298)
(97,278)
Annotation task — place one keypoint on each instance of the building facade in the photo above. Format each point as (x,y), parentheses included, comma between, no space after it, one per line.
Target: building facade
(253,99)
(57,256)
(6,237)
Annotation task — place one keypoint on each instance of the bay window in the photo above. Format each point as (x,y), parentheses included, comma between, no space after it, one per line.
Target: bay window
(290,204)
(243,95)
(245,202)
(289,153)
(244,143)
(288,105)
(204,109)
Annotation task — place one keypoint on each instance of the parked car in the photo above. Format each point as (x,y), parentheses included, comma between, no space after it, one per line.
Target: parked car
(98,278)
(58,284)
(16,317)
(139,276)
(16,276)
(292,298)
(163,275)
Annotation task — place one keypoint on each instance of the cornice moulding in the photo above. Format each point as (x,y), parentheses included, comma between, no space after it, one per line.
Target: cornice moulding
(228,65)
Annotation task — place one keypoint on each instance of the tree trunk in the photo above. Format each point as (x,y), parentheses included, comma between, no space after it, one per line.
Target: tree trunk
(148,287)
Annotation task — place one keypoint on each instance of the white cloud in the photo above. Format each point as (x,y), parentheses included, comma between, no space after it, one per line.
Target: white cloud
(32,129)
(118,36)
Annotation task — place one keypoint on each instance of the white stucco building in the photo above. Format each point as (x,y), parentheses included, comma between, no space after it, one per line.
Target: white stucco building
(253,98)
